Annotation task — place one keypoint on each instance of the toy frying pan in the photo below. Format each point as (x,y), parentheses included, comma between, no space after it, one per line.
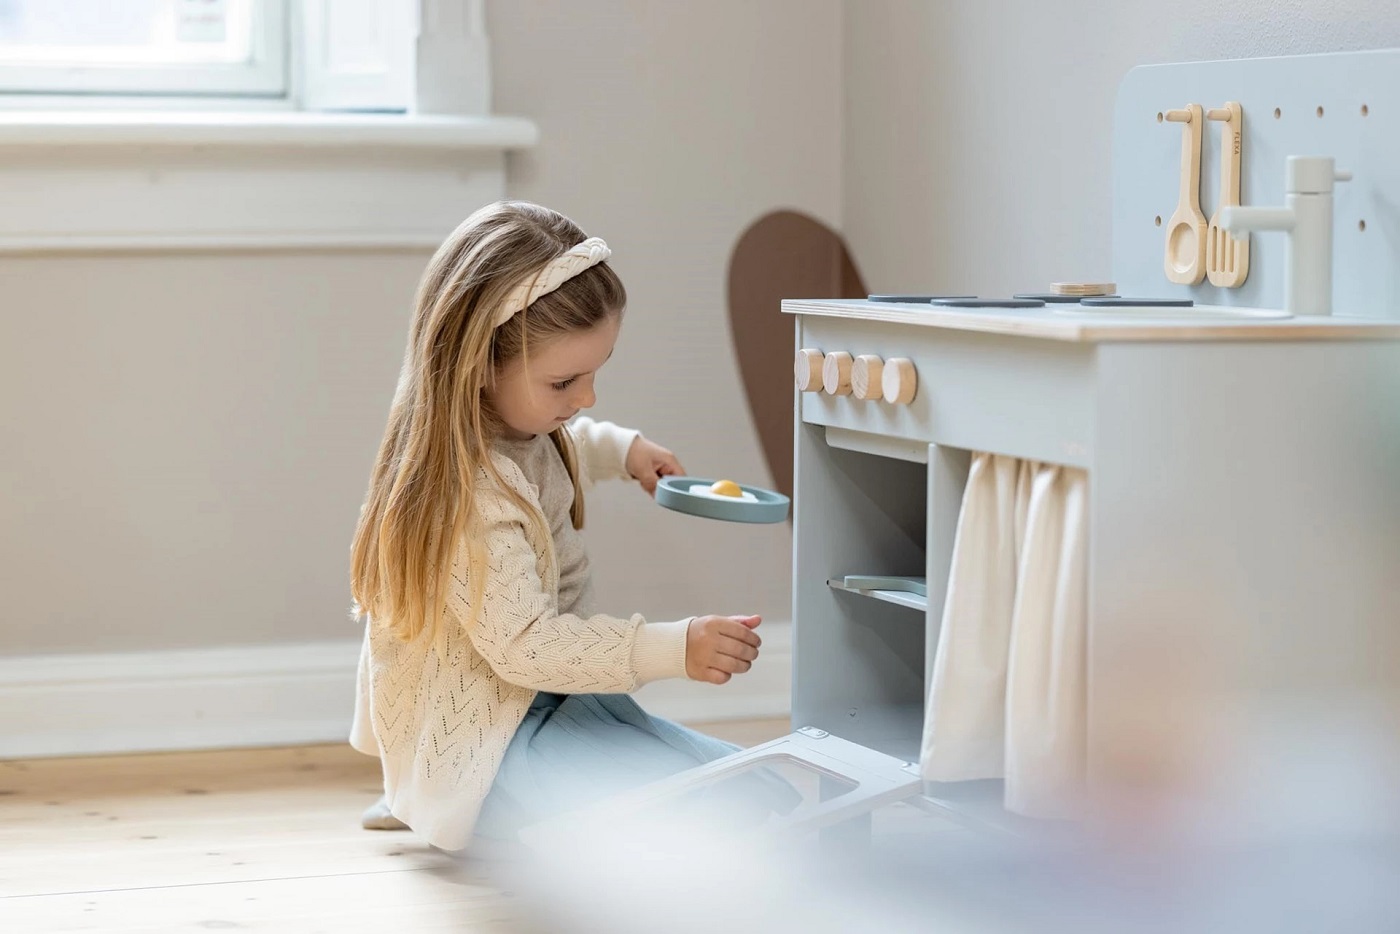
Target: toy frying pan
(697,496)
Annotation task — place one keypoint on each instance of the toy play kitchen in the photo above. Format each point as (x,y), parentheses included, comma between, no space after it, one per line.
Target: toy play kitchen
(1071,545)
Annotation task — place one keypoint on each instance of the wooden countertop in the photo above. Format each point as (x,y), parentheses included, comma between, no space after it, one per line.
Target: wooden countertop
(1073,323)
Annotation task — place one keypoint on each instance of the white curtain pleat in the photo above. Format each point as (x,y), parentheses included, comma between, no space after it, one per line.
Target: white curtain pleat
(1007,697)
(964,725)
(1045,687)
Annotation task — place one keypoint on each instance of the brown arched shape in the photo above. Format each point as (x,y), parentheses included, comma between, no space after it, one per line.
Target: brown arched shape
(781,255)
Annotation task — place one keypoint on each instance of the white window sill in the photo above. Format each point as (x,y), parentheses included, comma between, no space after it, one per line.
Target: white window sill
(267,129)
(176,181)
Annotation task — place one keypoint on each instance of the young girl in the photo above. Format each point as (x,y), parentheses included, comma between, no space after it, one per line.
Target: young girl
(490,689)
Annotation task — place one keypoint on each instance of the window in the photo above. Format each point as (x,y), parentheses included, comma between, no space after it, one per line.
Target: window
(216,112)
(144,47)
(315,54)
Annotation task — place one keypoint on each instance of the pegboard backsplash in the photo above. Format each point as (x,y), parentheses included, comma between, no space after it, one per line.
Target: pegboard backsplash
(1343,105)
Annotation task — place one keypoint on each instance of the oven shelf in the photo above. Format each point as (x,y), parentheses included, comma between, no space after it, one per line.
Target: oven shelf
(901,597)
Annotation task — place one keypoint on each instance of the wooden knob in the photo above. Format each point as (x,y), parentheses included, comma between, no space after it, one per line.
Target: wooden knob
(866,376)
(807,370)
(899,382)
(836,373)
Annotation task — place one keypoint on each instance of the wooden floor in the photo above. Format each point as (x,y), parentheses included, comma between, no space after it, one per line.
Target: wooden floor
(249,840)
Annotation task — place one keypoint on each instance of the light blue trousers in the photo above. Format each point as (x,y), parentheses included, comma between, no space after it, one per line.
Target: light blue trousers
(574,749)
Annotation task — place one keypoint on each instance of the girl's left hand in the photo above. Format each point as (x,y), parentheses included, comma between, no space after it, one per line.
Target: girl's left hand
(648,462)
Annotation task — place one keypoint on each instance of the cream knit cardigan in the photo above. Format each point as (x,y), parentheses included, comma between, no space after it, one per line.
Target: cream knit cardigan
(440,717)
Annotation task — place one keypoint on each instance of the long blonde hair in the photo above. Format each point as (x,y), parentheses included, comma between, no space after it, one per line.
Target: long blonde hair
(420,503)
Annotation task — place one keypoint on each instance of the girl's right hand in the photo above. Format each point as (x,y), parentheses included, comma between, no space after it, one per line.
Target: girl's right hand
(719,647)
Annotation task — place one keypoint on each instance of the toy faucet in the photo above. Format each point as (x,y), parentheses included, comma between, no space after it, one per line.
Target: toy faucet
(1307,219)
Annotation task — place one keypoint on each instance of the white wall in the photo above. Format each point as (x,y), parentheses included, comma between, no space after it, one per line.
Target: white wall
(977,145)
(185,438)
(188,439)
(666,129)
(192,433)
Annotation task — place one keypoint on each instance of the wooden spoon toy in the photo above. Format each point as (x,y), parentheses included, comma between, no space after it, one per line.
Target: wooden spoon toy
(1186,231)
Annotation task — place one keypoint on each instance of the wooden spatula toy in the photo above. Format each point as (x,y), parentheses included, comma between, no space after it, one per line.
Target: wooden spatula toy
(1227,259)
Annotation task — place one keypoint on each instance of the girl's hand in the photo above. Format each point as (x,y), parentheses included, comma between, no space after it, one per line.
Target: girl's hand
(648,462)
(719,647)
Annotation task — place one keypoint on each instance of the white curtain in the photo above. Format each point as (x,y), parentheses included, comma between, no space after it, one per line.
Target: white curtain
(1007,699)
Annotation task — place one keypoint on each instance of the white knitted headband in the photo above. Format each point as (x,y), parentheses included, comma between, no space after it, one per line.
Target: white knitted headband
(555,273)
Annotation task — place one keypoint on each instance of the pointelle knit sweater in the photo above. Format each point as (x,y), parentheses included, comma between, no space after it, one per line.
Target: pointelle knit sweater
(439,715)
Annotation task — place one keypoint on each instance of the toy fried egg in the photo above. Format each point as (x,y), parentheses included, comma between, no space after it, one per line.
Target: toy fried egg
(726,490)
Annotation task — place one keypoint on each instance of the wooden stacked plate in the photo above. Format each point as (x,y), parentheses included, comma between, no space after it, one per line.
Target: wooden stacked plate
(1082,289)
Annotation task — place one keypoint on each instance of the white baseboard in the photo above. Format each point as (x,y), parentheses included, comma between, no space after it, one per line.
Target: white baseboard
(274,695)
(62,705)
